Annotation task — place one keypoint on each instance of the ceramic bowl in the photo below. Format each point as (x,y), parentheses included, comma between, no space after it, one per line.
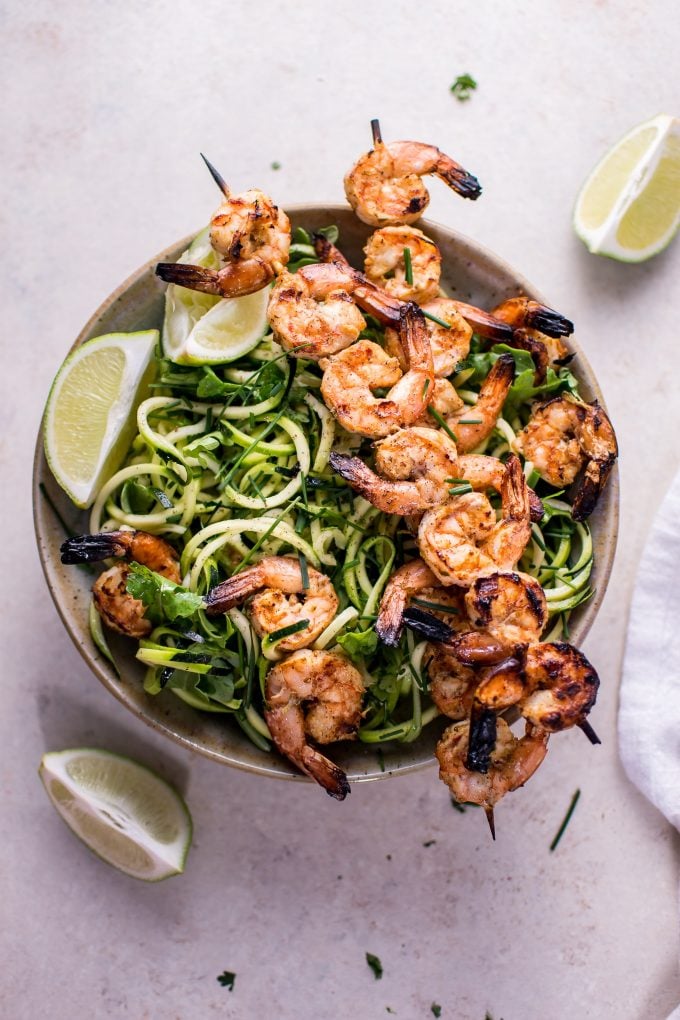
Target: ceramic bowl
(470,273)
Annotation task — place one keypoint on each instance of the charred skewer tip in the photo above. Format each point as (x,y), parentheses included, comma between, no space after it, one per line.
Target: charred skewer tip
(375,129)
(488,811)
(217,177)
(589,732)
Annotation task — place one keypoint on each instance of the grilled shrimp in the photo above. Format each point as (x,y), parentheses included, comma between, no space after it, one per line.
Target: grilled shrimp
(314,312)
(461,540)
(351,376)
(449,346)
(473,424)
(414,578)
(484,473)
(512,762)
(451,683)
(384,186)
(564,435)
(251,234)
(280,599)
(414,468)
(510,607)
(118,609)
(386,263)
(332,689)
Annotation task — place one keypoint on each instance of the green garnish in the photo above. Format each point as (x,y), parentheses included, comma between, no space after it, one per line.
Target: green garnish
(284,632)
(430,842)
(442,423)
(304,571)
(381,759)
(463,87)
(436,1009)
(426,386)
(227,979)
(276,165)
(457,806)
(436,607)
(163,599)
(434,318)
(375,965)
(567,818)
(470,421)
(460,490)
(408,267)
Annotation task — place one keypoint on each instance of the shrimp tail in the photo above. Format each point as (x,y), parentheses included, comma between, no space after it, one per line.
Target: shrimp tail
(232,591)
(482,739)
(325,772)
(428,626)
(591,485)
(193,277)
(327,251)
(459,179)
(515,491)
(93,548)
(388,497)
(484,323)
(370,298)
(547,320)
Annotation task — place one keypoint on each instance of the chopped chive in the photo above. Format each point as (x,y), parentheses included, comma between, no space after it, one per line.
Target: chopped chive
(166,503)
(457,806)
(303,489)
(375,965)
(442,423)
(426,387)
(381,759)
(227,979)
(408,267)
(434,606)
(434,318)
(275,165)
(470,421)
(567,818)
(304,571)
(460,490)
(284,632)
(436,1009)
(565,625)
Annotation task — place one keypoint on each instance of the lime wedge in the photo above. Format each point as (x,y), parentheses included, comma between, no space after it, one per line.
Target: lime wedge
(88,420)
(200,329)
(629,208)
(122,811)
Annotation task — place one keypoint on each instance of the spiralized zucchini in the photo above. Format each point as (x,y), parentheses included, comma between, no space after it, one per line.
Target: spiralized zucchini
(231,464)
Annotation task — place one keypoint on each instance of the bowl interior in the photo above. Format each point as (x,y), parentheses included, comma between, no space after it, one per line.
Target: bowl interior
(470,273)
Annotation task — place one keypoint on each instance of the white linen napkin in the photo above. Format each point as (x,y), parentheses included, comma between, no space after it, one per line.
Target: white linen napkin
(649,706)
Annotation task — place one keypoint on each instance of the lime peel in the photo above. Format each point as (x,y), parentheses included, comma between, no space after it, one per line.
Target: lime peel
(124,812)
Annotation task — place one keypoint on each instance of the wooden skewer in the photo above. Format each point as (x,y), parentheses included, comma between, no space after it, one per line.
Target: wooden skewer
(375,128)
(490,819)
(589,732)
(217,177)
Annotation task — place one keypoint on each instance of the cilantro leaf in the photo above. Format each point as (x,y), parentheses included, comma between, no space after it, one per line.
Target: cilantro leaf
(227,979)
(463,87)
(436,1009)
(375,965)
(162,598)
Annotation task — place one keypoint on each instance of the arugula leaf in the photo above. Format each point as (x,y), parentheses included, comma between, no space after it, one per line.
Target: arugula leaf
(227,979)
(359,644)
(162,598)
(375,965)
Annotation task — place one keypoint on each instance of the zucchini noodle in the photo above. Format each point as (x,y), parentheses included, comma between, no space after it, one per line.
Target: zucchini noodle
(232,464)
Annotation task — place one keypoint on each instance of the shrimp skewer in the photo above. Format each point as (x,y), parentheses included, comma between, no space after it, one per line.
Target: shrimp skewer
(511,763)
(564,436)
(384,187)
(119,610)
(386,263)
(280,599)
(461,540)
(415,468)
(351,376)
(414,578)
(313,312)
(252,235)
(332,689)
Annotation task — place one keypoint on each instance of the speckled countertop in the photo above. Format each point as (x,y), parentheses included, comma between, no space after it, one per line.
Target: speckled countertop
(106,108)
